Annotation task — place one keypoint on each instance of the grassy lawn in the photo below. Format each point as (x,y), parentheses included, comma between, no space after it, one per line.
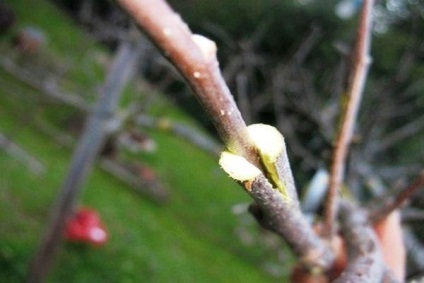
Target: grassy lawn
(191,238)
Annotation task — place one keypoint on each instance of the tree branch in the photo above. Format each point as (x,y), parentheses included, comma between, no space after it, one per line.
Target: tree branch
(20,154)
(44,86)
(361,61)
(153,189)
(185,132)
(275,194)
(406,131)
(271,211)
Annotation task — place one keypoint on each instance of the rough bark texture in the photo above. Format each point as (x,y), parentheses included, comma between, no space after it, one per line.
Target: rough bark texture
(365,261)
(286,219)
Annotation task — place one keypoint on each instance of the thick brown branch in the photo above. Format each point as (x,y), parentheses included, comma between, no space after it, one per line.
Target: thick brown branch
(199,66)
(354,91)
(365,261)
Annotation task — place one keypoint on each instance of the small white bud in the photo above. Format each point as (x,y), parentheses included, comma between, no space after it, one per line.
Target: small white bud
(238,167)
(207,46)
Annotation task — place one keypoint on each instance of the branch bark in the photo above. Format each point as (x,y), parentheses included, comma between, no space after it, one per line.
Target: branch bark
(361,61)
(286,220)
(365,261)
(90,143)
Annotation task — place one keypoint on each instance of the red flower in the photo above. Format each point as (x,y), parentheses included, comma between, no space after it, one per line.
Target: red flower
(86,227)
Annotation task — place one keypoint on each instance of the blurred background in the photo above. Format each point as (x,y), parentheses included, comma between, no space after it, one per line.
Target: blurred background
(169,212)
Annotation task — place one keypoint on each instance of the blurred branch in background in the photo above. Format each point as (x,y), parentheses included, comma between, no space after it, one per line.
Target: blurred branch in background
(146,185)
(382,208)
(21,155)
(99,125)
(46,86)
(183,131)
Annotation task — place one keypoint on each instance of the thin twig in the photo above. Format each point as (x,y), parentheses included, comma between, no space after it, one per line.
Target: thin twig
(153,190)
(355,88)
(389,205)
(183,131)
(406,131)
(45,86)
(22,155)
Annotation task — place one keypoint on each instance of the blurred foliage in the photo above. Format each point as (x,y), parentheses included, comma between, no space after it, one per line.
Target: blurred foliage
(285,21)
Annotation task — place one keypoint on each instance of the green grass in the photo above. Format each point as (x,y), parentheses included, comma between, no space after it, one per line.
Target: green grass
(190,239)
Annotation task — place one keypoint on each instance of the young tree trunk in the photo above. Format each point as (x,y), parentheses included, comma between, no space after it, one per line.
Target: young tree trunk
(96,130)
